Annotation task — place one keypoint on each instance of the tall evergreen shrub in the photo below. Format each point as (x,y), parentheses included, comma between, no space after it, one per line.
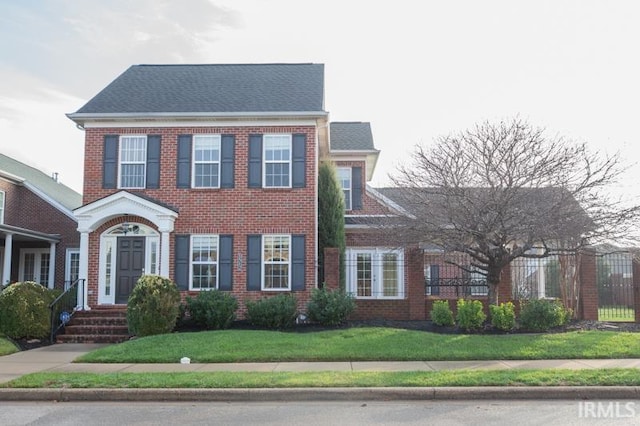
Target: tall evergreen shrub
(330,217)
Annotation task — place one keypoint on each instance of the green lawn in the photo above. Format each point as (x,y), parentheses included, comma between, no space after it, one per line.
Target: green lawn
(599,377)
(7,347)
(365,344)
(616,313)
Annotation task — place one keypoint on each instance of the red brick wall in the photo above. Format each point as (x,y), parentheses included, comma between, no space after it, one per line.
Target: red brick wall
(239,211)
(27,210)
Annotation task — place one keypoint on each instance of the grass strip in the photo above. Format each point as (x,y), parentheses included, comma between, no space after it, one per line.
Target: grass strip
(365,344)
(7,347)
(559,377)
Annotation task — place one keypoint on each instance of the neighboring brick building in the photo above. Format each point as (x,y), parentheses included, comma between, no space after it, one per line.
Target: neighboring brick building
(38,231)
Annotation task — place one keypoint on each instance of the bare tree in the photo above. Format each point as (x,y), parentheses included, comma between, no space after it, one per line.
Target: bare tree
(499,190)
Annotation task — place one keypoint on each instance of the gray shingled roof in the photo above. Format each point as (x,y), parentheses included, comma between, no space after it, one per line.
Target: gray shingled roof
(351,136)
(215,88)
(64,195)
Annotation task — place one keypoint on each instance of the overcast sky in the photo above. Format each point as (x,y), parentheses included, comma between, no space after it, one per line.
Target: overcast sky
(414,69)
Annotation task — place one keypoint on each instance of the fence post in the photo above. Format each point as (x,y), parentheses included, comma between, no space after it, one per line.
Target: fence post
(636,288)
(588,287)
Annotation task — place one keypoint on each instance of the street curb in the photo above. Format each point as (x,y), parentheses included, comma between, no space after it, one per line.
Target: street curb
(326,394)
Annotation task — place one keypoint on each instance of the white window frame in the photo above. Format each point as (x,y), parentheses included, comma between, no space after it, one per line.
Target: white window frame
(266,139)
(215,262)
(142,162)
(37,267)
(266,262)
(377,270)
(217,140)
(2,204)
(67,265)
(345,176)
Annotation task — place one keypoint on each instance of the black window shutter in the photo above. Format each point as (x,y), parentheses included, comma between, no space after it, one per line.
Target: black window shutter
(153,161)
(297,263)
(356,188)
(299,156)
(255,161)
(110,162)
(225,264)
(181,256)
(183,180)
(434,276)
(254,262)
(227,158)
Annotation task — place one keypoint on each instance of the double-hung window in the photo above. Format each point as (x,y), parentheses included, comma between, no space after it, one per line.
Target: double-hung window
(375,273)
(1,207)
(206,161)
(344,178)
(133,159)
(204,262)
(276,262)
(277,161)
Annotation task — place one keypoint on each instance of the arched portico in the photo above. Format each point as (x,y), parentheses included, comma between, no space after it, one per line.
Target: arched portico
(91,216)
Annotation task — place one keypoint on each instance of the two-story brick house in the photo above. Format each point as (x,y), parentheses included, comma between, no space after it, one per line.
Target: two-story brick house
(205,174)
(38,236)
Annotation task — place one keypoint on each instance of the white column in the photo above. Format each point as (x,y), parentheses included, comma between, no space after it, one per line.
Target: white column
(6,267)
(83,273)
(52,264)
(164,254)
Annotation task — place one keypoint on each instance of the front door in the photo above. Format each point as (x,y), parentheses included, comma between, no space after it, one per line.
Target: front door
(130,266)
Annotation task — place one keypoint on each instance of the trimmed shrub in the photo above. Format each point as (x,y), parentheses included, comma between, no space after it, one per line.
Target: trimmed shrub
(153,306)
(503,316)
(330,307)
(213,309)
(542,314)
(470,315)
(24,310)
(441,313)
(273,312)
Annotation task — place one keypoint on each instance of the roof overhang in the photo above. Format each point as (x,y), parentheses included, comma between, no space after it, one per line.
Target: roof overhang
(23,234)
(370,156)
(82,118)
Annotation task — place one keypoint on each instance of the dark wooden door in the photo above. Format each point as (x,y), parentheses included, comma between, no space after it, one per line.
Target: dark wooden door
(130,266)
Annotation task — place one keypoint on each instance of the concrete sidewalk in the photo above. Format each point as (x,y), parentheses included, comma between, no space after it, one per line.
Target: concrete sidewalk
(59,357)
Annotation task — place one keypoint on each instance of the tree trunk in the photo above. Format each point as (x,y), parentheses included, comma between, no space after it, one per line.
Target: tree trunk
(493,279)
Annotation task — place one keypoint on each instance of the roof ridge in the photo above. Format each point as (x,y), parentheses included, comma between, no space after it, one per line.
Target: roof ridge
(227,64)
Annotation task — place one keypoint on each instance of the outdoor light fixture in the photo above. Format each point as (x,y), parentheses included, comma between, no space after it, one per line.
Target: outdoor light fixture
(126,227)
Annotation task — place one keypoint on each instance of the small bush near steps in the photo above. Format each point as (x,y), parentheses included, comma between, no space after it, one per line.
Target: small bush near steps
(24,310)
(153,306)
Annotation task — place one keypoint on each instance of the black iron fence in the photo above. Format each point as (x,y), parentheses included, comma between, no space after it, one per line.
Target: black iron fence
(615,287)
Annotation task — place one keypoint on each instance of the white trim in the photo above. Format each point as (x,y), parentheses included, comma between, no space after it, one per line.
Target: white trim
(89,121)
(181,117)
(349,171)
(67,263)
(2,206)
(49,200)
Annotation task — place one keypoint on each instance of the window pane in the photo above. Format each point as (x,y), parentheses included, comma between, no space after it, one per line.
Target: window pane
(44,269)
(276,276)
(133,157)
(29,267)
(364,274)
(390,274)
(132,175)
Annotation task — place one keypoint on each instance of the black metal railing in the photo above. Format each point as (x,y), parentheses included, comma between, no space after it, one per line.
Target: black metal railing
(64,306)
(456,287)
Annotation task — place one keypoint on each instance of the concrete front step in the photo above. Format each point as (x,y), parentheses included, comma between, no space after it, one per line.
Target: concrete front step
(91,338)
